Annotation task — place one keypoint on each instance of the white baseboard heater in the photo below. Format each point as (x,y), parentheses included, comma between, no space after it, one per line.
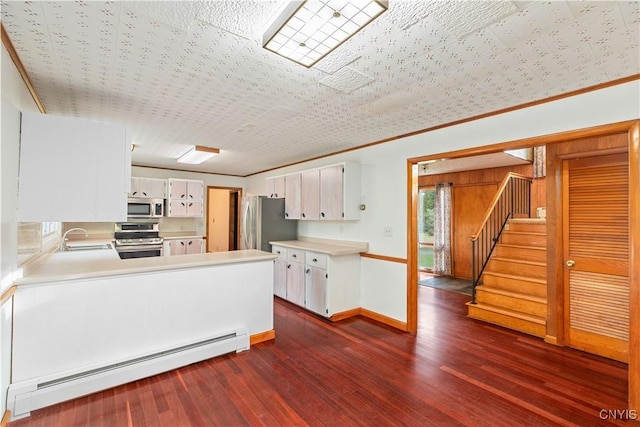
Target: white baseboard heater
(26,396)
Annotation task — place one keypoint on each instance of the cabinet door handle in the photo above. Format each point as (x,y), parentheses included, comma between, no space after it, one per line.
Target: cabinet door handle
(182,243)
(286,214)
(278,252)
(315,260)
(183,196)
(303,215)
(307,271)
(322,214)
(190,242)
(294,256)
(288,265)
(134,193)
(190,204)
(145,194)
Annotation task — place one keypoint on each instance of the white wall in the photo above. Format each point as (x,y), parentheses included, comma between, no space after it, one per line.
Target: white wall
(15,98)
(384,178)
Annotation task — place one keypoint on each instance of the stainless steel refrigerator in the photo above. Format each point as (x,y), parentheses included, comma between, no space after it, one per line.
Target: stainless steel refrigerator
(263,221)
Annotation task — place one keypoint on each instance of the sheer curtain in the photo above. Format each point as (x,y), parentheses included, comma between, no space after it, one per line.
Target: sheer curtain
(442,230)
(539,161)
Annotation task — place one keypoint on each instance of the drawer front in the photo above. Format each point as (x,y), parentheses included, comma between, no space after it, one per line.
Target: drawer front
(295,255)
(280,251)
(316,259)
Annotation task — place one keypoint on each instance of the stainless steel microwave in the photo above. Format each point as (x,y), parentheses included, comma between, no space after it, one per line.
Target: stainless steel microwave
(145,208)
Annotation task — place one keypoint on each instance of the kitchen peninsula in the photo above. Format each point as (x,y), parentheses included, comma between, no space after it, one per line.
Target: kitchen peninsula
(87,321)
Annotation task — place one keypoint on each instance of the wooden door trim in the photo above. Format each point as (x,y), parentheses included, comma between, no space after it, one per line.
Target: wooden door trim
(634,268)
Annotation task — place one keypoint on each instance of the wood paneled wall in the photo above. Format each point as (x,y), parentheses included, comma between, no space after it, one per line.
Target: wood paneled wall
(475,185)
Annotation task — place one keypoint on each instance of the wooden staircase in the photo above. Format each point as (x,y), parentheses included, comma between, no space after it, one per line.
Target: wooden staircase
(513,287)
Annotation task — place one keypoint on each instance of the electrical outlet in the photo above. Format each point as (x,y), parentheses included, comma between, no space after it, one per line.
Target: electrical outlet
(388,231)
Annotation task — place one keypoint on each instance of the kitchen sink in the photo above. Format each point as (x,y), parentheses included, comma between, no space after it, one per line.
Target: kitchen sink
(80,248)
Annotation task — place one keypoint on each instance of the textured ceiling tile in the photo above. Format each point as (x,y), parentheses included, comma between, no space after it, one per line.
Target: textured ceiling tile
(179,15)
(246,18)
(340,58)
(346,80)
(463,18)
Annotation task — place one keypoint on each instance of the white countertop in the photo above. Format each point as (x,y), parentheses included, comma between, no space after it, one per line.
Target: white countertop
(175,235)
(329,247)
(64,266)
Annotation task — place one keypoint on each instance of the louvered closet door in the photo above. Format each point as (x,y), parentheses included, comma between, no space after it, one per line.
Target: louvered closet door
(596,254)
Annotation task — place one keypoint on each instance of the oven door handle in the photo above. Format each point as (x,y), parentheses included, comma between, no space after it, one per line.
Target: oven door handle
(138,248)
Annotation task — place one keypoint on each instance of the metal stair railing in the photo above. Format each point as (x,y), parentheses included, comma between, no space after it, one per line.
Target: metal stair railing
(513,197)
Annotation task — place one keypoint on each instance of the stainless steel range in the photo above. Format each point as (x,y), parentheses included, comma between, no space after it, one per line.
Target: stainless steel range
(138,239)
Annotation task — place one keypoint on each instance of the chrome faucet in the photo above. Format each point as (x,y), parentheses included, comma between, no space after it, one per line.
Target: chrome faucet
(63,245)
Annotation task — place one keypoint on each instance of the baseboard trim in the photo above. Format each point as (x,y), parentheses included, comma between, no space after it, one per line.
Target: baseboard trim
(345,314)
(262,337)
(5,418)
(551,339)
(384,319)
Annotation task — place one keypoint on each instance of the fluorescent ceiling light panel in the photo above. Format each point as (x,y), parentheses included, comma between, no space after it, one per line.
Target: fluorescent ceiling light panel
(306,31)
(198,154)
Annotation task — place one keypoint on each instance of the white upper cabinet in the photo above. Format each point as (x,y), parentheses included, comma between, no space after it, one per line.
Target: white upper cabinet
(185,198)
(330,193)
(292,196)
(275,187)
(310,183)
(73,170)
(340,192)
(148,188)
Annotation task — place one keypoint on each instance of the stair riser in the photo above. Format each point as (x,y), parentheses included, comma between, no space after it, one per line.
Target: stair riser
(517,268)
(507,322)
(529,253)
(512,303)
(515,285)
(526,227)
(524,239)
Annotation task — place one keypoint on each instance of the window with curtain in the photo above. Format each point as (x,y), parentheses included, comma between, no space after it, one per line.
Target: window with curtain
(539,161)
(442,230)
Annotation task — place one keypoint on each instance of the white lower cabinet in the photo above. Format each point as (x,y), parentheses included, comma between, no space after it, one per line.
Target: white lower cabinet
(316,278)
(183,246)
(280,274)
(295,276)
(322,283)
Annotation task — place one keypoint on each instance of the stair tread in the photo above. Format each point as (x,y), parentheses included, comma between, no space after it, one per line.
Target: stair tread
(510,245)
(530,233)
(519,261)
(510,313)
(529,220)
(516,277)
(520,295)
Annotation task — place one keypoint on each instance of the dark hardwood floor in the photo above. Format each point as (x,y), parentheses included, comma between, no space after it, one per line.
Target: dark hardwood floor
(455,371)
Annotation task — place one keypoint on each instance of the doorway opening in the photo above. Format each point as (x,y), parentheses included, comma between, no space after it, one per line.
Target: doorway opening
(223,218)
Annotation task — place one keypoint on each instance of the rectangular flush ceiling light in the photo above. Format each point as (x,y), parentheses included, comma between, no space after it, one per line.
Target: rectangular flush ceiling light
(306,31)
(198,154)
